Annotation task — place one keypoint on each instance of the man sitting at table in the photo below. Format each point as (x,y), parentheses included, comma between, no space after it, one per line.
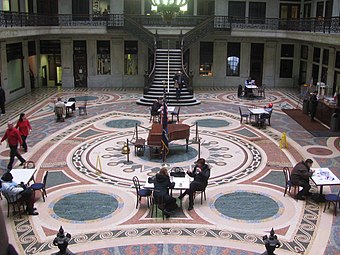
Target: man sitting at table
(201,174)
(60,104)
(300,177)
(161,192)
(19,192)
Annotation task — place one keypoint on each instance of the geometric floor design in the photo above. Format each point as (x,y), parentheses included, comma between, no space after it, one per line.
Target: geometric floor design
(90,189)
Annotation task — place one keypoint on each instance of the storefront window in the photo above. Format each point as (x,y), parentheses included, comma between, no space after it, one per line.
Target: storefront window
(131,57)
(103,57)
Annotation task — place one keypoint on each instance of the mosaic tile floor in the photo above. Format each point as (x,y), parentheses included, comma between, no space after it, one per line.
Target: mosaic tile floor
(90,189)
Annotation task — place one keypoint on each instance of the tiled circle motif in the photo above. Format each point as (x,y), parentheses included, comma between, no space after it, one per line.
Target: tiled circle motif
(246,206)
(86,206)
(320,151)
(122,123)
(213,123)
(219,149)
(86,98)
(267,99)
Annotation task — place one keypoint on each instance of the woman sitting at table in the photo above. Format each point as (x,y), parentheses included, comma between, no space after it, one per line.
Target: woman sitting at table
(161,192)
(18,192)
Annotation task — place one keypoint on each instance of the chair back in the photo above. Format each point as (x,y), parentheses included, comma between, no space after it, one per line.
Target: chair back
(286,173)
(179,108)
(240,110)
(10,199)
(136,183)
(29,165)
(45,179)
(72,99)
(59,111)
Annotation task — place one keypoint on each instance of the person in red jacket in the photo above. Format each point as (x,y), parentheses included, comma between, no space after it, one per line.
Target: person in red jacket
(24,127)
(13,138)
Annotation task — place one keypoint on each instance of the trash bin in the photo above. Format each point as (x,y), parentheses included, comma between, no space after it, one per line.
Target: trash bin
(335,122)
(305,106)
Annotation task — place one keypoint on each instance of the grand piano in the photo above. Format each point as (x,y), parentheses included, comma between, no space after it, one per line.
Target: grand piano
(175,132)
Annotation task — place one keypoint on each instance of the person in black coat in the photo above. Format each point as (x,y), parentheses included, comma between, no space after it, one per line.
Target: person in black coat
(156,105)
(201,174)
(162,185)
(300,176)
(313,103)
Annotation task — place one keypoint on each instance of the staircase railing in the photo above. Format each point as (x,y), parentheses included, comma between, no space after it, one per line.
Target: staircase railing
(198,32)
(149,78)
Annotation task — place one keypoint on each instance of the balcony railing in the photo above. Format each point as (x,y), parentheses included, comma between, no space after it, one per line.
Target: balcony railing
(320,25)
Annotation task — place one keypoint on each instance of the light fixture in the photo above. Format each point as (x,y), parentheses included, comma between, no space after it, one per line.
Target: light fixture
(168,8)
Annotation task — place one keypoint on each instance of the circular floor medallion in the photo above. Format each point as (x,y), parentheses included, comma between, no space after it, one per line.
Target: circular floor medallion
(85,206)
(246,206)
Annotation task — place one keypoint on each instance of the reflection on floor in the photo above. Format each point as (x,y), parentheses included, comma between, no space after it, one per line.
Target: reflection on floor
(90,190)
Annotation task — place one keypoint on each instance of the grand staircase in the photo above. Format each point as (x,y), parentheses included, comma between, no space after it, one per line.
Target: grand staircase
(167,61)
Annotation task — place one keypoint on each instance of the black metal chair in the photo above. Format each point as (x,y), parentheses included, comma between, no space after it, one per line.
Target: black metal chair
(59,113)
(41,186)
(333,199)
(155,116)
(141,192)
(157,203)
(268,115)
(15,202)
(175,113)
(243,115)
(83,108)
(261,91)
(202,193)
(288,184)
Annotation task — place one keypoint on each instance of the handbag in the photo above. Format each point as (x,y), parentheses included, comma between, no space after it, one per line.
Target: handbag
(177,172)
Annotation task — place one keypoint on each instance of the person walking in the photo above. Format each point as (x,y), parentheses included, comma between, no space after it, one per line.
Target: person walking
(24,127)
(13,138)
(201,174)
(2,100)
(179,80)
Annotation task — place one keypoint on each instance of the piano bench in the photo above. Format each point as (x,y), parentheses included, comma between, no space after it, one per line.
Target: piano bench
(139,147)
(155,150)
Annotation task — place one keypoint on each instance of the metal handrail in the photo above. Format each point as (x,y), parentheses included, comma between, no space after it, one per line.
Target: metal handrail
(315,24)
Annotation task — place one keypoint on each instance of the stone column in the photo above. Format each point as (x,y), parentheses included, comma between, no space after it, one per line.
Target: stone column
(219,65)
(27,82)
(117,54)
(269,64)
(330,74)
(67,62)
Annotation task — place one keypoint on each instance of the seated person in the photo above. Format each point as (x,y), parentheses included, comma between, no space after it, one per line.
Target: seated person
(201,174)
(19,192)
(62,105)
(248,81)
(156,106)
(300,177)
(161,193)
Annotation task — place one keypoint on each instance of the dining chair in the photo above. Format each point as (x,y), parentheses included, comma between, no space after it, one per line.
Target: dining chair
(261,91)
(202,193)
(0,190)
(141,192)
(243,115)
(268,115)
(41,186)
(289,184)
(175,113)
(157,204)
(59,113)
(15,202)
(333,199)
(82,109)
(154,116)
